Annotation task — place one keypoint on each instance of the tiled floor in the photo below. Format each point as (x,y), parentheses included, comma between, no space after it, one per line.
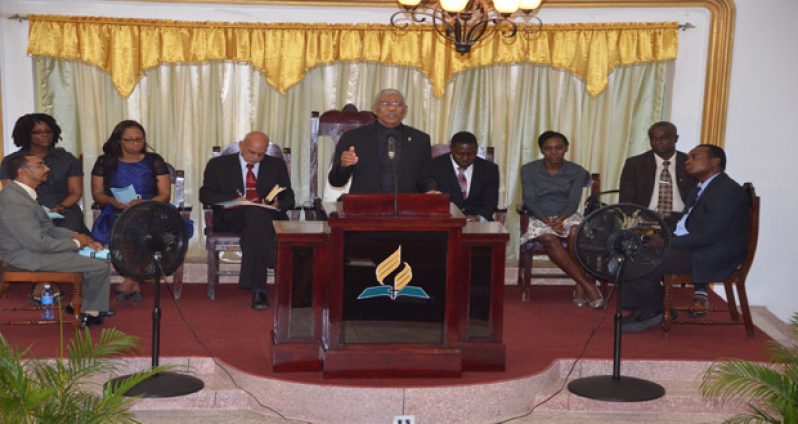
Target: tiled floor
(248,399)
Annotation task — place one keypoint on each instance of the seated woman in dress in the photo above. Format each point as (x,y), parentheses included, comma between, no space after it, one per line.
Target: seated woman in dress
(552,189)
(37,134)
(127,160)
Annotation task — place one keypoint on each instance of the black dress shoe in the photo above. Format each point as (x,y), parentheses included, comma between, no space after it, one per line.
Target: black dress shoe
(88,320)
(108,313)
(259,301)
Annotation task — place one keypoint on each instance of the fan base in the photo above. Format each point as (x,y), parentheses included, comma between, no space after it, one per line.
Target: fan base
(162,385)
(609,389)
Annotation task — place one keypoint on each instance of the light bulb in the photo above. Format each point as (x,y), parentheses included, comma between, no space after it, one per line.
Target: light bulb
(530,4)
(505,7)
(409,3)
(453,5)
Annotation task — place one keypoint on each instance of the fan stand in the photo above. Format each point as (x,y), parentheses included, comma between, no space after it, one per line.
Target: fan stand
(164,384)
(616,388)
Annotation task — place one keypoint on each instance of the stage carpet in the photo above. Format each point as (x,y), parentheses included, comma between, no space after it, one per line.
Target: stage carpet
(547,328)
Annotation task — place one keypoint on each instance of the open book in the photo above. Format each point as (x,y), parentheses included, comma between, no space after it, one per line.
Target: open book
(269,198)
(273,193)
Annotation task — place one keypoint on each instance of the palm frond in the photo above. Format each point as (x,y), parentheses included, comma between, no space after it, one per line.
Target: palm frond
(770,391)
(39,391)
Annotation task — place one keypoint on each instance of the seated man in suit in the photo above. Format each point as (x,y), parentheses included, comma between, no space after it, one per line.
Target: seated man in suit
(249,175)
(29,239)
(648,179)
(471,182)
(709,240)
(373,154)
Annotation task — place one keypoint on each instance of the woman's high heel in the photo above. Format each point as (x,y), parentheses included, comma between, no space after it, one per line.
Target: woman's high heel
(598,303)
(579,302)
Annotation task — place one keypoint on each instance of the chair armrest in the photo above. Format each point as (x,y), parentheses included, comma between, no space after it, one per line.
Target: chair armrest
(207,216)
(500,215)
(524,213)
(593,203)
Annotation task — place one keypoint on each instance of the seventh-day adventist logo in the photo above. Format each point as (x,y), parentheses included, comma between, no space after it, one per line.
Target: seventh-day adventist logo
(400,280)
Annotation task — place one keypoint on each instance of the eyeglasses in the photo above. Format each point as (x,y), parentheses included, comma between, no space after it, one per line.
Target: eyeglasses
(133,140)
(396,104)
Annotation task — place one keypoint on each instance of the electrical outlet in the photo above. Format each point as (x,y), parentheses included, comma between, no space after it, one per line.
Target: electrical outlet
(404,419)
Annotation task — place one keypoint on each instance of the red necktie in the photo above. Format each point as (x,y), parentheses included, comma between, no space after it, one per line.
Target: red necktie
(461,178)
(252,183)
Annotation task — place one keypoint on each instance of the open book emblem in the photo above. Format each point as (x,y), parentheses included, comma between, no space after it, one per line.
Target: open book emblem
(401,279)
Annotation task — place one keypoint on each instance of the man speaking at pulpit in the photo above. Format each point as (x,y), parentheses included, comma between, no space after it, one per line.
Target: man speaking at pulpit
(375,156)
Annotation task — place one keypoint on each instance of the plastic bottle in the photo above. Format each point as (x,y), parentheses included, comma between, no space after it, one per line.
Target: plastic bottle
(47,302)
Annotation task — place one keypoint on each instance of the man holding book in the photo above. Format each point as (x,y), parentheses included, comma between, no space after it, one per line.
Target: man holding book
(247,191)
(29,239)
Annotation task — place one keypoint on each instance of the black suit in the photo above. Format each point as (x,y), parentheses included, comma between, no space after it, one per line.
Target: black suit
(483,194)
(638,179)
(223,180)
(413,168)
(714,248)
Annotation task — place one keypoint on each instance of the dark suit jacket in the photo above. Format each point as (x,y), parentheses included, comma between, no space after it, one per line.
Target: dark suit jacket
(483,196)
(718,230)
(413,170)
(637,178)
(223,181)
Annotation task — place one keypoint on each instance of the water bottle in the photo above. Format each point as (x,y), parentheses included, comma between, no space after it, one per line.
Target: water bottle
(47,302)
(180,181)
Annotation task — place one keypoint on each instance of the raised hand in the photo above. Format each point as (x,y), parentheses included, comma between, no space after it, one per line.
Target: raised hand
(349,157)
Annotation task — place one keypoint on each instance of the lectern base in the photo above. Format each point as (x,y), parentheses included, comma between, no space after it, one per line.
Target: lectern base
(622,389)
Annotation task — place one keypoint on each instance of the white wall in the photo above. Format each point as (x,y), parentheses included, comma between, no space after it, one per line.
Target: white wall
(763,112)
(762,101)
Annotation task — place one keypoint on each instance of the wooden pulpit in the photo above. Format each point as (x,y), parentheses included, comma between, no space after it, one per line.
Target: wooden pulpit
(389,287)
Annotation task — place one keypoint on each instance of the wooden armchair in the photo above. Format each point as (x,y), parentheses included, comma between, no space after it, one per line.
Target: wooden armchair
(218,242)
(526,251)
(177,177)
(736,281)
(9,274)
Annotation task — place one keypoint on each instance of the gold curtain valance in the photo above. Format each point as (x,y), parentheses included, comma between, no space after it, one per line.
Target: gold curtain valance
(126,48)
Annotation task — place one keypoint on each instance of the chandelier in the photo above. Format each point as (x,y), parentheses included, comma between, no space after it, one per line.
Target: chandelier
(466,22)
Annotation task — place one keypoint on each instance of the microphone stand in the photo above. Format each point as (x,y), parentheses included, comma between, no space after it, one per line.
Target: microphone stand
(392,157)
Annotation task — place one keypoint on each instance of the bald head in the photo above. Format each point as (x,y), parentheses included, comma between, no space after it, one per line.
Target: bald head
(254,146)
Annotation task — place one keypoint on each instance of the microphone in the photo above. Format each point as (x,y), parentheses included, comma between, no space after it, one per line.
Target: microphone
(391,147)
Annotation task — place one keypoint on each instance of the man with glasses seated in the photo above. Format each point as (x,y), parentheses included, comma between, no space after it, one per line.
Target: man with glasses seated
(29,239)
(372,155)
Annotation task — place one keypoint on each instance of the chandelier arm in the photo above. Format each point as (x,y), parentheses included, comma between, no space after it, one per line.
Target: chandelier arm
(415,16)
(438,22)
(536,28)
(479,31)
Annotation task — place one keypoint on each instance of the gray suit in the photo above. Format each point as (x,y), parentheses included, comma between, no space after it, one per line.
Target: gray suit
(30,240)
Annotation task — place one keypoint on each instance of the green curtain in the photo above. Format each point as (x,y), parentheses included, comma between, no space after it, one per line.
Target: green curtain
(188,108)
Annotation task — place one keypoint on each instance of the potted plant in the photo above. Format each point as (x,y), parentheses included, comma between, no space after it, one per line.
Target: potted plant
(62,390)
(770,391)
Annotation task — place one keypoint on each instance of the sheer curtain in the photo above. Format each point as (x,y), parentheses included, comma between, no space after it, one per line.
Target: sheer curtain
(188,108)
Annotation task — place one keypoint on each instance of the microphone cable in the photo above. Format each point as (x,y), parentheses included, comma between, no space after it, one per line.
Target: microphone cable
(573,365)
(222,366)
